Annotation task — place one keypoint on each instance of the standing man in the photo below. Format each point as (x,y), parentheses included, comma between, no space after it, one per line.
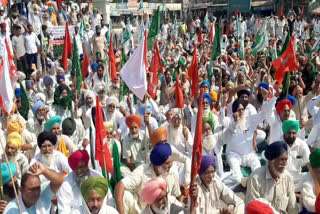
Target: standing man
(32,45)
(19,49)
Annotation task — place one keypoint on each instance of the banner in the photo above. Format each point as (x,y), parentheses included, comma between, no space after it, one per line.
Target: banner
(243,6)
(57,33)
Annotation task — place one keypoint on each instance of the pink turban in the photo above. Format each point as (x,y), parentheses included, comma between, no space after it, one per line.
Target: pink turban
(78,156)
(280,106)
(153,189)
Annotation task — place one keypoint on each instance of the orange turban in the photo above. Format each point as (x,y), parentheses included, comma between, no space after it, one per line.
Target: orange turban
(158,135)
(280,106)
(15,126)
(133,119)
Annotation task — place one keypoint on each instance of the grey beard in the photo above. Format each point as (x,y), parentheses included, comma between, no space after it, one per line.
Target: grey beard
(12,158)
(135,136)
(80,179)
(208,142)
(162,210)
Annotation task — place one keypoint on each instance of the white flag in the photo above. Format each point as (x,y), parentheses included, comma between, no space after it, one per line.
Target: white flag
(133,72)
(6,89)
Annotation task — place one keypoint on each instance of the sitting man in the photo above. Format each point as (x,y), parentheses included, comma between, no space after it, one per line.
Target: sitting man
(35,197)
(128,189)
(94,191)
(8,183)
(213,192)
(272,182)
(69,195)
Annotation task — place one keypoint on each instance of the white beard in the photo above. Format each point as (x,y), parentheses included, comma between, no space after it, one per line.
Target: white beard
(208,142)
(206,112)
(135,136)
(174,134)
(47,159)
(13,158)
(80,179)
(243,123)
(162,210)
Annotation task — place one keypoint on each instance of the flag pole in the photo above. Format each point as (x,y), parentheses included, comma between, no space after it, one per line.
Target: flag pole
(146,130)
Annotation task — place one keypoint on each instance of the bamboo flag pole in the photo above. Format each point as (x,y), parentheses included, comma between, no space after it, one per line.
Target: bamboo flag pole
(146,130)
(11,176)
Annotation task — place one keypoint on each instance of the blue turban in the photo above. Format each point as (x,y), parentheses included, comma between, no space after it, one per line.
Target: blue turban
(47,80)
(142,109)
(263,85)
(206,162)
(243,91)
(17,92)
(160,154)
(236,103)
(205,82)
(60,77)
(51,122)
(81,56)
(36,106)
(94,65)
(206,96)
(6,178)
(275,150)
(28,83)
(50,9)
(292,99)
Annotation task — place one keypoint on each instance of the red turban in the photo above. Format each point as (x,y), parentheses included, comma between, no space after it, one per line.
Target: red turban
(280,106)
(76,157)
(257,207)
(3,25)
(133,119)
(158,135)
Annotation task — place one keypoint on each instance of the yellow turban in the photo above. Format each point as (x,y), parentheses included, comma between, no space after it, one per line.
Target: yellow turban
(214,96)
(109,126)
(15,139)
(15,126)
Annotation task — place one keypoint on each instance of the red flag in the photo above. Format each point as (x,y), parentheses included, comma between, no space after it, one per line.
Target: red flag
(281,11)
(258,23)
(102,151)
(85,65)
(197,143)
(59,2)
(67,48)
(236,12)
(3,3)
(211,34)
(193,72)
(155,67)
(286,62)
(179,94)
(302,11)
(112,60)
(200,36)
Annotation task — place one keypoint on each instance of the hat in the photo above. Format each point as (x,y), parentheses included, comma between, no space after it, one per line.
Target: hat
(68,126)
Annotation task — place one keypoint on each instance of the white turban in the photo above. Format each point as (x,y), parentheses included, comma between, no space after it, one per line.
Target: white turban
(98,87)
(111,100)
(88,93)
(39,96)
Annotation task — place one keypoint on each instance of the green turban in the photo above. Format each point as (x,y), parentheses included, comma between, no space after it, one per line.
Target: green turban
(51,122)
(210,120)
(288,125)
(315,158)
(98,54)
(99,184)
(182,62)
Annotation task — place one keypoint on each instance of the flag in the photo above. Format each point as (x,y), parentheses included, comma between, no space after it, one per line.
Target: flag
(141,30)
(216,47)
(317,204)
(59,2)
(260,44)
(206,21)
(67,48)
(116,176)
(200,35)
(85,66)
(286,62)
(211,33)
(258,22)
(281,11)
(25,105)
(154,29)
(3,3)
(193,74)
(236,13)
(302,11)
(102,152)
(175,28)
(113,67)
(82,29)
(126,35)
(197,143)
(76,65)
(155,67)
(123,87)
(108,35)
(179,94)
(133,72)
(140,8)
(286,82)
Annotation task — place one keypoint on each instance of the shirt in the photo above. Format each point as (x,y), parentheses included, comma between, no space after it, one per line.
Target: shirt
(308,194)
(134,148)
(313,109)
(31,42)
(210,199)
(18,45)
(280,194)
(44,202)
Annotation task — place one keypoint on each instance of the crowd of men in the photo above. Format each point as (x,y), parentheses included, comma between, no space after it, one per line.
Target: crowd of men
(260,148)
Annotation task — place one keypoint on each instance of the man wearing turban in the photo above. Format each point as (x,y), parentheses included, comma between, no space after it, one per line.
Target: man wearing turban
(128,189)
(261,183)
(310,190)
(48,156)
(94,191)
(14,154)
(298,152)
(112,113)
(84,112)
(207,184)
(260,206)
(178,135)
(69,196)
(134,143)
(36,123)
(8,184)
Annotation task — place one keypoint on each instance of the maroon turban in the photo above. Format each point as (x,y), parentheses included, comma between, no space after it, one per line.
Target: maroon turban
(76,157)
(3,25)
(280,106)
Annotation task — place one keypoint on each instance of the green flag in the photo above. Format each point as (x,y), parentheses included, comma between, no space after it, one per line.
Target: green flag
(216,47)
(286,79)
(24,103)
(206,21)
(125,36)
(260,44)
(76,65)
(123,87)
(82,29)
(116,176)
(154,29)
(140,8)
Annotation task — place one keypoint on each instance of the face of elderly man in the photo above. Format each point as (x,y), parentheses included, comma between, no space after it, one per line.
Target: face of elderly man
(161,203)
(134,130)
(11,151)
(95,202)
(164,168)
(40,113)
(278,165)
(208,175)
(89,100)
(46,151)
(176,121)
(30,189)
